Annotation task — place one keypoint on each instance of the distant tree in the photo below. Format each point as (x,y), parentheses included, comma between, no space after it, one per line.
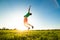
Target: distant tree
(14,28)
(0,28)
(6,29)
(3,28)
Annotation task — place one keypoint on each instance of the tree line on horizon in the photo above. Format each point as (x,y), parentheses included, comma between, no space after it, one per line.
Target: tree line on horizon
(7,28)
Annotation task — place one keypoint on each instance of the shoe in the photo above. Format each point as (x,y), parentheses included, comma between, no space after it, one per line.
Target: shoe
(28,28)
(32,27)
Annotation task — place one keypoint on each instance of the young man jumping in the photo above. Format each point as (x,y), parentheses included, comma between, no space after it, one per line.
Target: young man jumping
(26,19)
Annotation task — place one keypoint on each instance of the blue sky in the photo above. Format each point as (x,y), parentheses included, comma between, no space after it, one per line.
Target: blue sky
(45,13)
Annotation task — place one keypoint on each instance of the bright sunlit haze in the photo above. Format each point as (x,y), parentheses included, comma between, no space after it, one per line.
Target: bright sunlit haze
(45,14)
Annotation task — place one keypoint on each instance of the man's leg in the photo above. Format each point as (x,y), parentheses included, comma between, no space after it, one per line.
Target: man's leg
(30,25)
(27,25)
(25,22)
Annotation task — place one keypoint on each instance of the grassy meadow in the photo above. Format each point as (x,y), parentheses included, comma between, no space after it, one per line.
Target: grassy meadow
(30,35)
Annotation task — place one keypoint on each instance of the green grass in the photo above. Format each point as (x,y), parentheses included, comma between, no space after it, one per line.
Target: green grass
(30,35)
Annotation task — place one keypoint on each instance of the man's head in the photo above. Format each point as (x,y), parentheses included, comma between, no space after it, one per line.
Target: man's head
(30,13)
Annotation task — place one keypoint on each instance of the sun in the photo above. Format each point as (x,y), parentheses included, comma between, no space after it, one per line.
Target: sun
(15,21)
(20,24)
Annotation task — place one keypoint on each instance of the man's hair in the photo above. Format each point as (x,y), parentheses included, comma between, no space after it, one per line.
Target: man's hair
(30,13)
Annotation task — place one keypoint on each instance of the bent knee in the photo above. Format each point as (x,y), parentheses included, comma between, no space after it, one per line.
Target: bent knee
(25,23)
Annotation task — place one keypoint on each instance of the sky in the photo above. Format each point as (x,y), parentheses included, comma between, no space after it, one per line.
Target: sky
(45,13)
